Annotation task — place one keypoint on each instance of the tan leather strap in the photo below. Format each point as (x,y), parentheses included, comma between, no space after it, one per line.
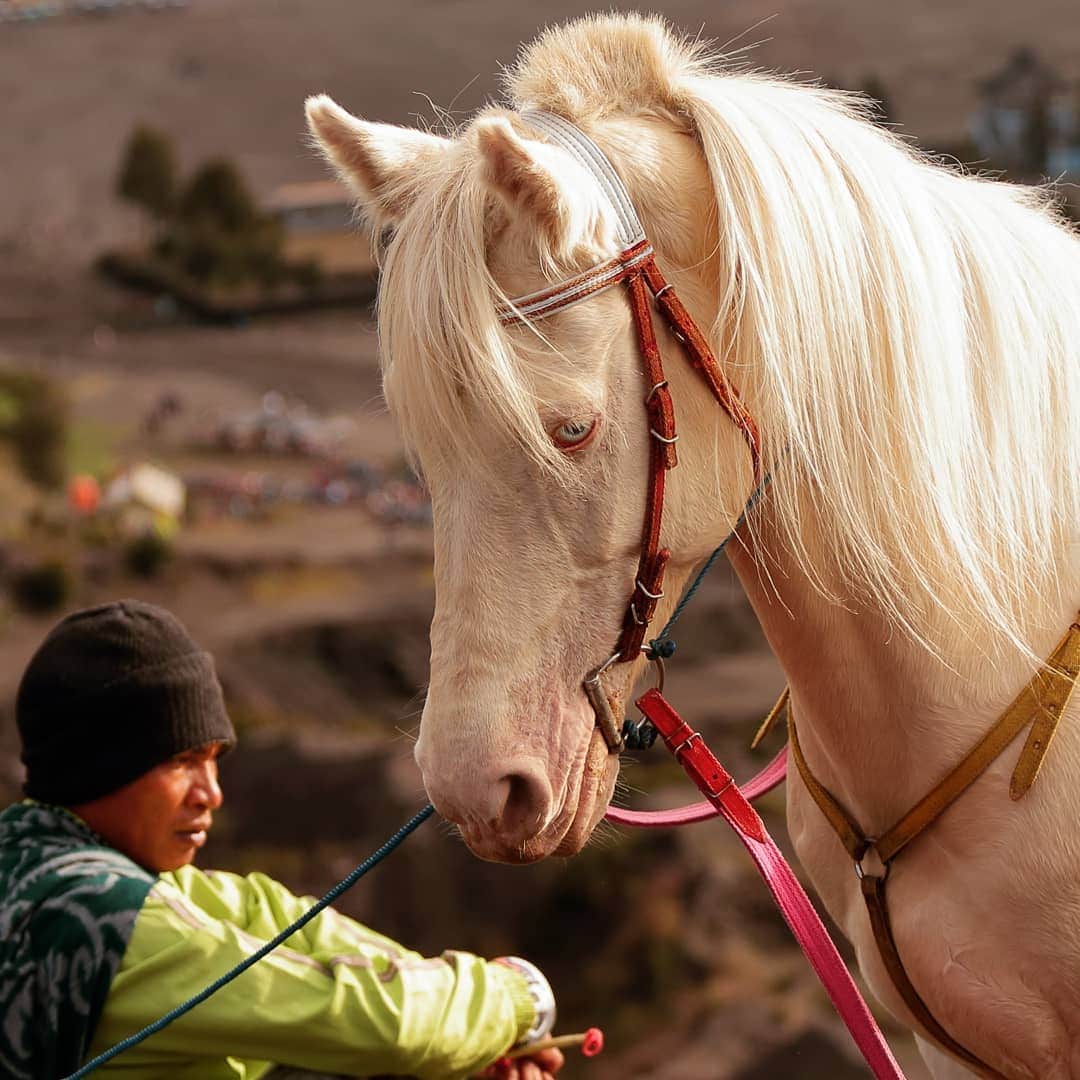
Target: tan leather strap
(844,825)
(1047,696)
(769,722)
(1041,704)
(873,890)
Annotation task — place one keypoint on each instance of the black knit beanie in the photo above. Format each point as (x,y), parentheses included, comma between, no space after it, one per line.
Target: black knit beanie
(110,693)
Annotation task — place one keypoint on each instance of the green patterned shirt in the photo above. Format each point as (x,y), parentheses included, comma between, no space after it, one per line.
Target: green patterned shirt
(68,905)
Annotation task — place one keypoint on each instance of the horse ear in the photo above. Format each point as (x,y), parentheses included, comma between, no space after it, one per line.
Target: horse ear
(378,161)
(525,176)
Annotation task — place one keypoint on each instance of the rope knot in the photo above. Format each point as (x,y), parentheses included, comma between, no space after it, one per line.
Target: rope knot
(638,735)
(660,649)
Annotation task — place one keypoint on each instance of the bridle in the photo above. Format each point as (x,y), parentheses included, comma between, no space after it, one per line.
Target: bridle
(635,266)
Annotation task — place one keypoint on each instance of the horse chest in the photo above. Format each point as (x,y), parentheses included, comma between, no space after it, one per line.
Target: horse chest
(985,910)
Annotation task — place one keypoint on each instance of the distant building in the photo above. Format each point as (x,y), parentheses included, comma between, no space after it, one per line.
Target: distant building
(320,224)
(1027,118)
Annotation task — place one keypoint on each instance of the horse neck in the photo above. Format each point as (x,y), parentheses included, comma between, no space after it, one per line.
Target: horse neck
(865,691)
(880,716)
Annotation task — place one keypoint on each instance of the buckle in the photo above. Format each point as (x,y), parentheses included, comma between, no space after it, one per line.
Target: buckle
(881,871)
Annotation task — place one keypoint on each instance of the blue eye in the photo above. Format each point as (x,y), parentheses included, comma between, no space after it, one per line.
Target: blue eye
(573,434)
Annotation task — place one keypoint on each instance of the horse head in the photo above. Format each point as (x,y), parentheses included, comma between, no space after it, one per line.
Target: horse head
(869,305)
(533,442)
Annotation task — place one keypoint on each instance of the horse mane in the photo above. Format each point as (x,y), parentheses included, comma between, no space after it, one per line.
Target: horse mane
(909,333)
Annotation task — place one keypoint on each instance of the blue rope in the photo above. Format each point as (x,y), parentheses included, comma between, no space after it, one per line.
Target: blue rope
(641,734)
(343,885)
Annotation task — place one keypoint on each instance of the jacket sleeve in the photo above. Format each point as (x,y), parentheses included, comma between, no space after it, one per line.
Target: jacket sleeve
(335,998)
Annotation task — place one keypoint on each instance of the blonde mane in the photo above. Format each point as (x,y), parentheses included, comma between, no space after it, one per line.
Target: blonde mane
(910,335)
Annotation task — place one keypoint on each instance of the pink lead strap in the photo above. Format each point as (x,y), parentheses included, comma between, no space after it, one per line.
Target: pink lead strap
(725,799)
(772,776)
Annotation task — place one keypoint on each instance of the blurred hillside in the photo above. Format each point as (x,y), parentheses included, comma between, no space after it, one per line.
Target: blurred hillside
(230,76)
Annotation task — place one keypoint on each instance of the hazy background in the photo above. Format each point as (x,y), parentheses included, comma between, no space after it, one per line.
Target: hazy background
(301,556)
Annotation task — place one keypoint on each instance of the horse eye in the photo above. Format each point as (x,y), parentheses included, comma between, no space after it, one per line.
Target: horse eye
(573,434)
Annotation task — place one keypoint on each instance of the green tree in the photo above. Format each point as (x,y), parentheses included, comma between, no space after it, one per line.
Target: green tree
(148,172)
(34,418)
(219,235)
(218,196)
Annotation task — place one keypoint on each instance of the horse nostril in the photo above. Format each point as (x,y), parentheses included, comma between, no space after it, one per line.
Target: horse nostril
(527,804)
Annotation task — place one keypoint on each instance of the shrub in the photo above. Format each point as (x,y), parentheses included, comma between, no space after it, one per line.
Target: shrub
(34,417)
(212,231)
(148,172)
(219,236)
(43,588)
(218,195)
(148,555)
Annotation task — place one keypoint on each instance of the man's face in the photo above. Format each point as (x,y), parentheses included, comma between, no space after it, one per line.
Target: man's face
(161,819)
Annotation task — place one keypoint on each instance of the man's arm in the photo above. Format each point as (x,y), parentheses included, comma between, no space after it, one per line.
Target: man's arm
(337,998)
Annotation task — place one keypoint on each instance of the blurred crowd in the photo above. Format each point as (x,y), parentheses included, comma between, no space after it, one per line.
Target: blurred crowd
(31,10)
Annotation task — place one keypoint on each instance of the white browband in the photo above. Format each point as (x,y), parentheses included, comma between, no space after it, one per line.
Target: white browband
(631,235)
(588,154)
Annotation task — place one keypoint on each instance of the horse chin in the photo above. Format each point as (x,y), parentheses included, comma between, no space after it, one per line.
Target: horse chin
(597,784)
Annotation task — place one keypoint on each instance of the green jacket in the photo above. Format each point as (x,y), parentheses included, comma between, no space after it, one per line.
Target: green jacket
(337,998)
(92,945)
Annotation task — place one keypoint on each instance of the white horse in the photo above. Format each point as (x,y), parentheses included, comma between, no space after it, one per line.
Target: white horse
(907,338)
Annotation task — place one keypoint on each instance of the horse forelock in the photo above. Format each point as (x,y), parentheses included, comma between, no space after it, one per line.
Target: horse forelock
(456,379)
(907,336)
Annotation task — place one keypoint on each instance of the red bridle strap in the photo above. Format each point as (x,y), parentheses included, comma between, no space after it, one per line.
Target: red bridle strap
(701,357)
(596,279)
(660,416)
(637,267)
(649,583)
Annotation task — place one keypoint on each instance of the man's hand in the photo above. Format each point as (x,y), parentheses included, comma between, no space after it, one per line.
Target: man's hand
(543,1065)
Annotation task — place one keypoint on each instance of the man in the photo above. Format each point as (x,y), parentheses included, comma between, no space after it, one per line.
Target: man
(105,925)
